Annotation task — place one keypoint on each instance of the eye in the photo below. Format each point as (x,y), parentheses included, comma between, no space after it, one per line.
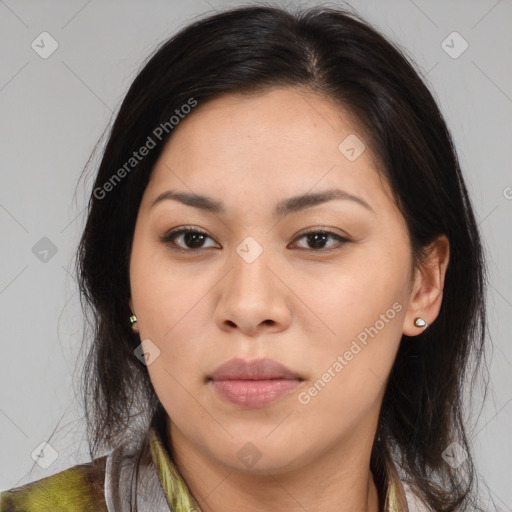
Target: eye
(317,238)
(192,238)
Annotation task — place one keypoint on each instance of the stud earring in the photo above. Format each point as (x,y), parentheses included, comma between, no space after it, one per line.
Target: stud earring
(420,322)
(133,321)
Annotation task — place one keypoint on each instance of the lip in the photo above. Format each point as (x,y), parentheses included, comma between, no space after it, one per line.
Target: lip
(255,369)
(255,383)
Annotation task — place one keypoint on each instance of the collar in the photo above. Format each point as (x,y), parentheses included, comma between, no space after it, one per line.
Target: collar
(180,498)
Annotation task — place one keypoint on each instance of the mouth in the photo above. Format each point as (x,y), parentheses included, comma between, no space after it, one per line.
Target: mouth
(253,384)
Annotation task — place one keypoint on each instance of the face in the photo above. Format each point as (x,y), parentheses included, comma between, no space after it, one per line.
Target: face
(321,286)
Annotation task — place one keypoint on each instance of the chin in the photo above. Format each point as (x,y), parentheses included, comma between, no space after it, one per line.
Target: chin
(260,455)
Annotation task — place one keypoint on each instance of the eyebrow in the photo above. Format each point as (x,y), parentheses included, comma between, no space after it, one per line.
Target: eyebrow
(285,207)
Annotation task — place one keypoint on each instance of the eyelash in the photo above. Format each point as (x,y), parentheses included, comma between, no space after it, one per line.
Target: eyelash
(169,237)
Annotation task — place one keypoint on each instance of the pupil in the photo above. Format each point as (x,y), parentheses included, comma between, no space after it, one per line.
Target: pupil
(188,240)
(315,238)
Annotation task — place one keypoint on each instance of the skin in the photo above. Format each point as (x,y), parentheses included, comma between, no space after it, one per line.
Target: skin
(293,303)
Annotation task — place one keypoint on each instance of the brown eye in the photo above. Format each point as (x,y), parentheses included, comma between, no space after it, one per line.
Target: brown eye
(317,239)
(191,239)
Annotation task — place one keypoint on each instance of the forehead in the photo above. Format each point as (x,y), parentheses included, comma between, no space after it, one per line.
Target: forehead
(283,141)
(280,119)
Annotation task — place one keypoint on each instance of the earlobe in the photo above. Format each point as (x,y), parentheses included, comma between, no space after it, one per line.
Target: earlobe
(133,322)
(427,295)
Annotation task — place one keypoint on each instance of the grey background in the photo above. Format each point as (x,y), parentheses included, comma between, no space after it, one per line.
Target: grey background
(54,110)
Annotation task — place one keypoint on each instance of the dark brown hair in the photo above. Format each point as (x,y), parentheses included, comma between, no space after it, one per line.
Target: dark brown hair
(337,55)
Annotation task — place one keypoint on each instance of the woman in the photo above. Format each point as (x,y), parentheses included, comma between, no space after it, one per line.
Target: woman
(287,280)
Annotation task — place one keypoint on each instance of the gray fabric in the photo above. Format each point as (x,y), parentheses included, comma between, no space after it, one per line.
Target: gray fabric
(131,486)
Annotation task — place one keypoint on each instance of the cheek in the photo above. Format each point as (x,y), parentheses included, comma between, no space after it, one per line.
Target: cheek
(164,292)
(339,302)
(178,397)
(351,370)
(355,341)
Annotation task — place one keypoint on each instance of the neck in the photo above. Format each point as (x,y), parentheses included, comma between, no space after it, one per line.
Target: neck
(338,481)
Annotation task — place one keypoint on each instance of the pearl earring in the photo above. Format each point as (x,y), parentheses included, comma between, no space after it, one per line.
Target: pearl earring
(420,322)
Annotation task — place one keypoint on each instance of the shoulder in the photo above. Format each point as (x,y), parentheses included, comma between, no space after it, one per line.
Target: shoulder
(76,489)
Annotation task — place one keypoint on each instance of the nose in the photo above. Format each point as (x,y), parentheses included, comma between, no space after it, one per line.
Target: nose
(253,298)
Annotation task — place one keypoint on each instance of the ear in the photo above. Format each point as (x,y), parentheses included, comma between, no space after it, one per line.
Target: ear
(427,290)
(130,303)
